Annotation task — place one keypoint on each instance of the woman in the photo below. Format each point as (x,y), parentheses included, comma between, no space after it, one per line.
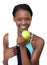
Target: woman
(28,51)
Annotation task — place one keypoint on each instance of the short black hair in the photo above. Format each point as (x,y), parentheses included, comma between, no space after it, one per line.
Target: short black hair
(22,6)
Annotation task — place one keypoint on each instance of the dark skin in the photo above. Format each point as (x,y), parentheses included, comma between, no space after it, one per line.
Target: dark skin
(8,52)
(23,21)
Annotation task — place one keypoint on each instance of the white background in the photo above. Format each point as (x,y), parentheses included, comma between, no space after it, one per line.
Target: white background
(38,25)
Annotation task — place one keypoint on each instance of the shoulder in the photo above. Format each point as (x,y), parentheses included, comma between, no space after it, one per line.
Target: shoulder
(5,39)
(38,41)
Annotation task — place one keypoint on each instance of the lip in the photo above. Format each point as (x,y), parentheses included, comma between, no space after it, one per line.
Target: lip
(23,27)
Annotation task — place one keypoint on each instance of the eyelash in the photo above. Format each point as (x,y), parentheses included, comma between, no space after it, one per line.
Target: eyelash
(19,19)
(27,19)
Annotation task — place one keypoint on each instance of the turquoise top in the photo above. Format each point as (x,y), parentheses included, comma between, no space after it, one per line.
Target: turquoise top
(29,46)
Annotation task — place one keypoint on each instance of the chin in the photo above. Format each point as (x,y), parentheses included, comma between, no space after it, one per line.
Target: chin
(23,29)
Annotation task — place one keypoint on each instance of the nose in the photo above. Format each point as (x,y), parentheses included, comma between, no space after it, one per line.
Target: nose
(23,22)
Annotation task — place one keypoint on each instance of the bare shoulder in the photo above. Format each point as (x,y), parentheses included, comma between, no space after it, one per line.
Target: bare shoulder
(5,40)
(38,41)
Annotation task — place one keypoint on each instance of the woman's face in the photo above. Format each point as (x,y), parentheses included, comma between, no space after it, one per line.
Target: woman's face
(22,19)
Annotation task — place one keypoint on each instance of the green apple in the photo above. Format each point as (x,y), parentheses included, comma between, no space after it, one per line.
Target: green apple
(26,34)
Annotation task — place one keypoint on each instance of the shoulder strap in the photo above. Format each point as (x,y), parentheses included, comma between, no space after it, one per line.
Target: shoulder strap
(31,38)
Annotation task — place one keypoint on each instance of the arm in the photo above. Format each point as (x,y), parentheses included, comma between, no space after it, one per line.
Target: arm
(38,49)
(8,52)
(24,56)
(38,44)
(5,46)
(23,50)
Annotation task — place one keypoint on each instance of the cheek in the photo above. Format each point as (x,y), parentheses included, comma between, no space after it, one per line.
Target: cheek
(18,23)
(28,23)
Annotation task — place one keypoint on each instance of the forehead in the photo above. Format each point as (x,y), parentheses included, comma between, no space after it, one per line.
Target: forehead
(22,13)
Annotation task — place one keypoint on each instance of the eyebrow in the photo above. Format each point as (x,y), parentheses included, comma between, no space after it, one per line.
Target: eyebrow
(24,17)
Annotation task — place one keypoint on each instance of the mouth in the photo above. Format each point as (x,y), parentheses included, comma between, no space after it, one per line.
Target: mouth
(23,27)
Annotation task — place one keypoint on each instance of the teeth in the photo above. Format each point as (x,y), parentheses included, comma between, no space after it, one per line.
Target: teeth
(23,27)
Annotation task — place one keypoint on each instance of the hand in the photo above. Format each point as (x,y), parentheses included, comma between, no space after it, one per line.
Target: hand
(22,42)
(10,52)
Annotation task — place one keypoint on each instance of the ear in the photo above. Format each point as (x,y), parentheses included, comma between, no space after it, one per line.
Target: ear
(31,18)
(14,18)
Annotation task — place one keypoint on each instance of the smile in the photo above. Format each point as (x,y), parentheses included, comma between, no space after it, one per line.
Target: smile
(23,27)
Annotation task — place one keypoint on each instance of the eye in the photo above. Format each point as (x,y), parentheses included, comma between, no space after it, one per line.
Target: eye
(19,19)
(27,19)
